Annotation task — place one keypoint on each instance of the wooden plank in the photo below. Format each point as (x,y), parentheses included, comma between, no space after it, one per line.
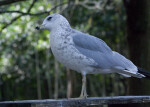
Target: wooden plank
(75,102)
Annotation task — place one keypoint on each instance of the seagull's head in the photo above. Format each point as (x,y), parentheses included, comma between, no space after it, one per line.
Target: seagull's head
(54,21)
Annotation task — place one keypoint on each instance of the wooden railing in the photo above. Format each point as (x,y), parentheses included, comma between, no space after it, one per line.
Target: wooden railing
(75,102)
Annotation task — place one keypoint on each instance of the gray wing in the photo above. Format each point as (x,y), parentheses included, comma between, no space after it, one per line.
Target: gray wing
(89,42)
(98,50)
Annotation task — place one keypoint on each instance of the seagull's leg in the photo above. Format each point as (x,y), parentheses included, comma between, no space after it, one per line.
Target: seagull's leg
(81,95)
(83,91)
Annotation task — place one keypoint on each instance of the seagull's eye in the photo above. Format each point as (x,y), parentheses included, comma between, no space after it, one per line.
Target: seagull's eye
(49,18)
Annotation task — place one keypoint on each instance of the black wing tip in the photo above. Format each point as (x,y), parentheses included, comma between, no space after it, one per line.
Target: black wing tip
(144,72)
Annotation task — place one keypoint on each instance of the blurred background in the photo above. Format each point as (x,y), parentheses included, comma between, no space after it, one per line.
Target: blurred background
(28,70)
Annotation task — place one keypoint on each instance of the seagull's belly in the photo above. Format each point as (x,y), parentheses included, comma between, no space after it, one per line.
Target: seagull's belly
(71,58)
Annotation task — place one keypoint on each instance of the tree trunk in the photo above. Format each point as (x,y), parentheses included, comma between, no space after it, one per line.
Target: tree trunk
(47,73)
(38,80)
(56,79)
(69,83)
(138,29)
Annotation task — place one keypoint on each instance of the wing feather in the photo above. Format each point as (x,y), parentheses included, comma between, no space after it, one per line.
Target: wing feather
(91,43)
(100,52)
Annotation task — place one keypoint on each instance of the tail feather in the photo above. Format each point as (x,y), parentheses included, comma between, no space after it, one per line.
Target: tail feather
(144,72)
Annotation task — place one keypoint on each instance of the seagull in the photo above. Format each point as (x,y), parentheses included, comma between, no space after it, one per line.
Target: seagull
(85,53)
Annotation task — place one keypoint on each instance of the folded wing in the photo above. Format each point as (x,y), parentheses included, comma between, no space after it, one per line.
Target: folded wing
(101,53)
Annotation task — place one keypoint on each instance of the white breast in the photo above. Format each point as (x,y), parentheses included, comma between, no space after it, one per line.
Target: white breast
(65,52)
